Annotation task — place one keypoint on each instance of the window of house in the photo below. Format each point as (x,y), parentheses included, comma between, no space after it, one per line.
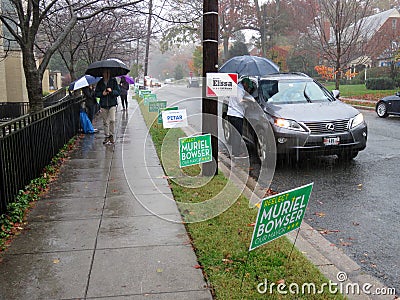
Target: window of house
(394,23)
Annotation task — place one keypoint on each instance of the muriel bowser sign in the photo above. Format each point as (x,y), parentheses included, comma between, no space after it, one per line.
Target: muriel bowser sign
(195,150)
(280,214)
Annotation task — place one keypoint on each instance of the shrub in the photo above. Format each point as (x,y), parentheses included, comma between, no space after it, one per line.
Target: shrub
(383,83)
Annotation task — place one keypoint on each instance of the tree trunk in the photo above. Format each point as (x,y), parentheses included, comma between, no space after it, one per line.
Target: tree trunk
(226,47)
(33,81)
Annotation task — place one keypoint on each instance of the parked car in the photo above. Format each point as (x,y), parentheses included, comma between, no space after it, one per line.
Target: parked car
(193,82)
(389,105)
(305,118)
(155,83)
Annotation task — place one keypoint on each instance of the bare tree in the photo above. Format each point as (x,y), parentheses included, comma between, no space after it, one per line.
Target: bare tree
(22,20)
(336,31)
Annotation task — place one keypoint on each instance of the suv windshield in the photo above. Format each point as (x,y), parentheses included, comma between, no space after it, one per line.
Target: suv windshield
(292,91)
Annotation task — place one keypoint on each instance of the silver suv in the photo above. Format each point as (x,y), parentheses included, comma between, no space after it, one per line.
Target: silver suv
(305,119)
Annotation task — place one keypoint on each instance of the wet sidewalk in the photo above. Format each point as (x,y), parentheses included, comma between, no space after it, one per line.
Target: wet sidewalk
(108,228)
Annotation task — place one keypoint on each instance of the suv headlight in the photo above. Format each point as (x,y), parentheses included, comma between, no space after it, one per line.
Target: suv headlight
(288,124)
(357,120)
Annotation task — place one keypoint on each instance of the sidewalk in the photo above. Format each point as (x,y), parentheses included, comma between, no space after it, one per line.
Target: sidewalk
(108,228)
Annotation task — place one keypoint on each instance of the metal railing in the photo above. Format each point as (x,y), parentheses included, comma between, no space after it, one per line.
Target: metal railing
(12,110)
(28,143)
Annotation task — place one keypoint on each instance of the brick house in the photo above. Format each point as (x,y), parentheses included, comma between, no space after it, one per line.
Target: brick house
(381,35)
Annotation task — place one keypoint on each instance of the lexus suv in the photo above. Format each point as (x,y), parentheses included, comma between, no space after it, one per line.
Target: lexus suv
(306,119)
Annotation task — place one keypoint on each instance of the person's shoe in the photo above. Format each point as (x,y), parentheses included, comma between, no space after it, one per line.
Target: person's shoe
(110,140)
(106,139)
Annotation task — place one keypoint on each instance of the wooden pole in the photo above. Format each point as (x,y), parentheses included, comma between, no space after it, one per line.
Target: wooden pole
(210,65)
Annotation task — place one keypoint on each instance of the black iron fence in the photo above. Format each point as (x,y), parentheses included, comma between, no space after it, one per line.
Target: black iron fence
(12,110)
(28,143)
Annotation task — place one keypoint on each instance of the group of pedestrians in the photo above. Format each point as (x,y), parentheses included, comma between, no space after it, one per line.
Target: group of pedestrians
(107,90)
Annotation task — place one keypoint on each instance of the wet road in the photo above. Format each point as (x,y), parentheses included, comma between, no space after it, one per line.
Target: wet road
(355,205)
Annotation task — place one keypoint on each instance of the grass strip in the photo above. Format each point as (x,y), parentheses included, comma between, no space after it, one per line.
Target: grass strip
(221,242)
(359,91)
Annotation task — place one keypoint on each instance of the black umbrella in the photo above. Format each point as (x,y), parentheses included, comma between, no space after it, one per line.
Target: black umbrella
(249,65)
(116,67)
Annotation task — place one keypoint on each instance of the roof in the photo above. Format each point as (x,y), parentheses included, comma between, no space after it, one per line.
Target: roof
(370,24)
(373,23)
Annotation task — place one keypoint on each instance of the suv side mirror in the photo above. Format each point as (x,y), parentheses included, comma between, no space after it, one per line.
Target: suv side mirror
(336,93)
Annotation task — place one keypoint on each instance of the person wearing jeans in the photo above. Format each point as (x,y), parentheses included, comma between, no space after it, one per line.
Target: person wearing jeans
(235,114)
(108,90)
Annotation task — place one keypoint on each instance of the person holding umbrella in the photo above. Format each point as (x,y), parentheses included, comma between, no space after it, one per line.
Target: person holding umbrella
(236,109)
(107,89)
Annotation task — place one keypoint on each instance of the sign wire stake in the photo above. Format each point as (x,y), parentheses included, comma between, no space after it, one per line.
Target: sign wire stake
(294,243)
(245,268)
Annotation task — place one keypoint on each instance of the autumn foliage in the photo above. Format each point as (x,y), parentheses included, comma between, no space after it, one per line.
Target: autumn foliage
(325,72)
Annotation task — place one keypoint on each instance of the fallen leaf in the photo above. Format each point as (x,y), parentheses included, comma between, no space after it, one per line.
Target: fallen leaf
(326,231)
(56,261)
(356,224)
(159,270)
(197,267)
(359,187)
(227,261)
(320,214)
(281,281)
(251,224)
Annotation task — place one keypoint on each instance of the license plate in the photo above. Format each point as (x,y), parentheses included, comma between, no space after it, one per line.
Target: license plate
(329,141)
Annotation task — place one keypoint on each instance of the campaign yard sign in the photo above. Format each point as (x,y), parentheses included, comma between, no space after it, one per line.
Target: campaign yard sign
(195,150)
(159,119)
(155,106)
(174,118)
(280,214)
(221,84)
(144,92)
(149,97)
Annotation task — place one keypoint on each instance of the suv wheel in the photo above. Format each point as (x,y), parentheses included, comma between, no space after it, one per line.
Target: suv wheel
(226,126)
(262,146)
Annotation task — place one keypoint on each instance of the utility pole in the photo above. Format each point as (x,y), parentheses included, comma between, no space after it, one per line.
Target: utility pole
(210,65)
(146,59)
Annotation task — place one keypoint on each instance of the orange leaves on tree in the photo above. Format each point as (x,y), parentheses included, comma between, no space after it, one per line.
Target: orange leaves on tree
(325,72)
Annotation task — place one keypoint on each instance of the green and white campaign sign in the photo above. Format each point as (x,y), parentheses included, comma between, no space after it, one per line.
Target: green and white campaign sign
(149,97)
(155,106)
(144,92)
(195,150)
(280,214)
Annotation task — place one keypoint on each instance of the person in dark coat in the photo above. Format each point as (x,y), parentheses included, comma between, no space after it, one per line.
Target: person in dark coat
(107,89)
(90,101)
(124,85)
